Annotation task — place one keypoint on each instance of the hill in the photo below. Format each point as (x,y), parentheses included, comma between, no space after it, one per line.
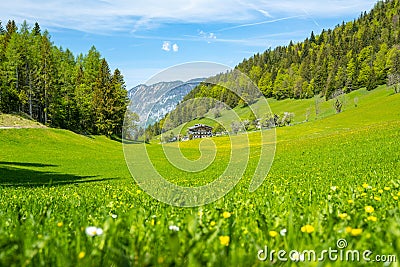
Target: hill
(361,107)
(17,121)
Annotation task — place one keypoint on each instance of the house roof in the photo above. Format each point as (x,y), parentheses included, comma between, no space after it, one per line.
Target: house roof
(199,126)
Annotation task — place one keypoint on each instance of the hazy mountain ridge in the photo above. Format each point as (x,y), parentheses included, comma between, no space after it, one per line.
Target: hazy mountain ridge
(158,99)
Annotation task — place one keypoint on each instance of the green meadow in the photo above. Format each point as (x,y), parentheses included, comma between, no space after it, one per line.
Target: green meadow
(334,177)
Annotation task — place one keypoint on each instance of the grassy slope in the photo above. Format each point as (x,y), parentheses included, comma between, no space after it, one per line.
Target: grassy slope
(365,101)
(44,225)
(16,121)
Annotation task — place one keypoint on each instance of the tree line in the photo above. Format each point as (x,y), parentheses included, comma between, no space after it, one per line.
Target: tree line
(56,88)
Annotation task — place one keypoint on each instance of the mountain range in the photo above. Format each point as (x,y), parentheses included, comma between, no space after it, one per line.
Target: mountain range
(153,102)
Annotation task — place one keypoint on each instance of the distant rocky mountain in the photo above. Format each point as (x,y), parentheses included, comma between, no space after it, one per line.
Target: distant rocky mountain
(153,102)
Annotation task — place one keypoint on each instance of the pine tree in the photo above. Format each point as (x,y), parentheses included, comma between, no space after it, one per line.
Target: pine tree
(36,29)
(103,101)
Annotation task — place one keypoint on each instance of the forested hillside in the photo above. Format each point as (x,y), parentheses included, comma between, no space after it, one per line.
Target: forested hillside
(56,88)
(360,53)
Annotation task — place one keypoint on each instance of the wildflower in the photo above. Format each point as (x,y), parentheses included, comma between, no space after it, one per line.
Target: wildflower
(377,198)
(226,214)
(212,223)
(173,228)
(380,191)
(343,215)
(356,231)
(333,188)
(273,233)
(350,201)
(369,209)
(200,213)
(60,224)
(372,218)
(307,229)
(297,257)
(93,231)
(283,232)
(224,240)
(395,197)
(365,185)
(398,194)
(387,188)
(81,255)
(348,229)
(114,216)
(363,194)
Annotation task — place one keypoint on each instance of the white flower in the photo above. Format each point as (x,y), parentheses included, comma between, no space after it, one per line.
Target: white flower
(174,228)
(296,257)
(114,216)
(93,231)
(333,188)
(283,232)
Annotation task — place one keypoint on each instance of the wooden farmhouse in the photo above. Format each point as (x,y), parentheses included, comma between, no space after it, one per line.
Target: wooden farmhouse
(200,131)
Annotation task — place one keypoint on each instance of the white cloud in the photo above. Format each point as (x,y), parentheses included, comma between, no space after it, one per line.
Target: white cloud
(102,16)
(175,47)
(166,46)
(208,36)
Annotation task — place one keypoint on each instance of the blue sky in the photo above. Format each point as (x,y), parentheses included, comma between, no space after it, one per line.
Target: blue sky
(142,38)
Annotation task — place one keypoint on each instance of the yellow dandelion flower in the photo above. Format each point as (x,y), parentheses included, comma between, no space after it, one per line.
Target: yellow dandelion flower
(81,255)
(307,229)
(343,215)
(365,185)
(226,214)
(377,198)
(200,213)
(273,233)
(152,222)
(372,218)
(387,188)
(395,197)
(380,191)
(348,229)
(398,194)
(224,240)
(369,209)
(60,224)
(350,201)
(212,223)
(363,194)
(356,231)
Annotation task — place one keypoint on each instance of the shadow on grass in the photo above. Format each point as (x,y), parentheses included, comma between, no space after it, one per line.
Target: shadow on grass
(10,175)
(26,164)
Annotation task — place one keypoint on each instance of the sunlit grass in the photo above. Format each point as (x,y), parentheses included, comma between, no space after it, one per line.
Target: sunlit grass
(54,184)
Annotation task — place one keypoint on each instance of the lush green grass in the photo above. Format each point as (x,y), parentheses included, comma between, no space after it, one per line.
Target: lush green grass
(53,184)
